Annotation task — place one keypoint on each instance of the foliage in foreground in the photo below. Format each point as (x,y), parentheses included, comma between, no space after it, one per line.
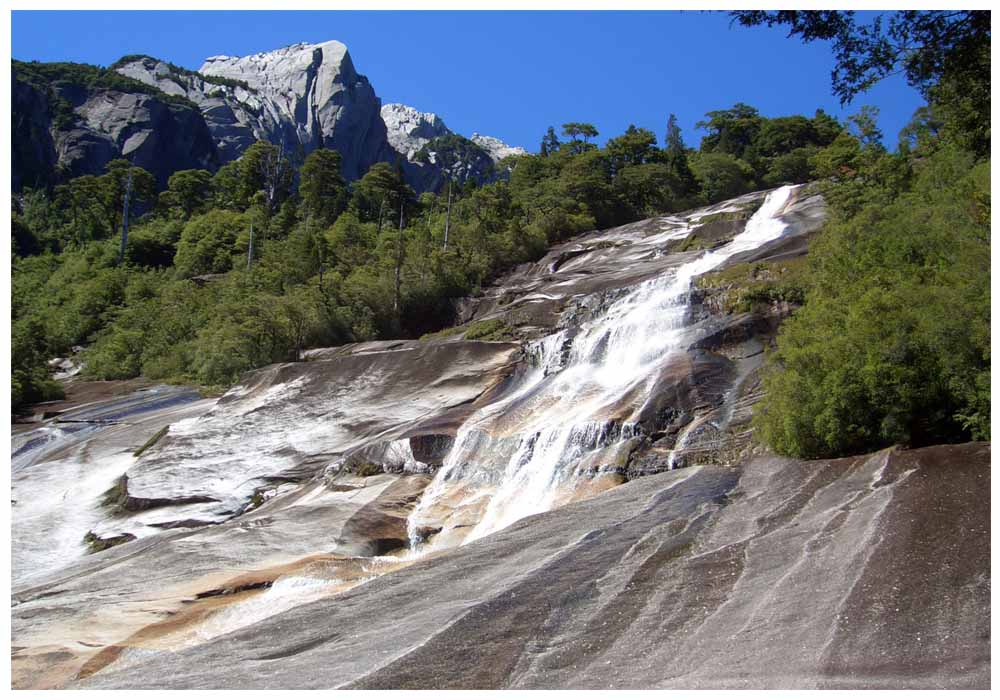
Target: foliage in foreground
(893,343)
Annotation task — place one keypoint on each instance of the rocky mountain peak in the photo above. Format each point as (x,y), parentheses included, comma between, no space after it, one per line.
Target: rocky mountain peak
(302,97)
(497,149)
(409,129)
(287,68)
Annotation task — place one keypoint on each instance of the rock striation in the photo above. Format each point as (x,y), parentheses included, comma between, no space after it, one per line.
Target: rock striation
(782,574)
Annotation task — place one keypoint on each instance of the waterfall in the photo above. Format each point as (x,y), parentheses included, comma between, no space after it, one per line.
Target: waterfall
(520,456)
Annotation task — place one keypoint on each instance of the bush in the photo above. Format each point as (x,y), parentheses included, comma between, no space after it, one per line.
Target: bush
(893,344)
(208,243)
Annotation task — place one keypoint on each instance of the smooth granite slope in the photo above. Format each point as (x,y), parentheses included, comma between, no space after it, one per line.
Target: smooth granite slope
(867,572)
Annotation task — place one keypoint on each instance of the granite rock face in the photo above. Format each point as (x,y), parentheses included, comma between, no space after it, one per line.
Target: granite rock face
(409,130)
(152,133)
(301,97)
(309,96)
(497,149)
(434,153)
(33,150)
(866,572)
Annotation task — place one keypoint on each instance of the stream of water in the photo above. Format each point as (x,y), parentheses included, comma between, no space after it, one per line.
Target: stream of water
(580,395)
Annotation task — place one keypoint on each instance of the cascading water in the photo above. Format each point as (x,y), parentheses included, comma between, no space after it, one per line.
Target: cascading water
(519,456)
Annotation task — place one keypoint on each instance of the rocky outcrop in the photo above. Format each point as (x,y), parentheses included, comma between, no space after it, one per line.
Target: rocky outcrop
(497,149)
(309,96)
(33,151)
(96,125)
(434,153)
(409,130)
(302,97)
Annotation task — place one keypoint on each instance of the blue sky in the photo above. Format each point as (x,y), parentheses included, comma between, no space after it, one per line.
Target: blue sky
(506,74)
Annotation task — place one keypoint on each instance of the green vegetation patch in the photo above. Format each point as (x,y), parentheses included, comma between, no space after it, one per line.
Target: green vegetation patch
(366,469)
(99,544)
(116,495)
(152,441)
(45,76)
(494,330)
(742,214)
(450,150)
(742,287)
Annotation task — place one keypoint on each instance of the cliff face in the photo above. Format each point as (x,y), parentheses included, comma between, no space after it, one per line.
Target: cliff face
(72,129)
(434,153)
(310,96)
(33,150)
(302,97)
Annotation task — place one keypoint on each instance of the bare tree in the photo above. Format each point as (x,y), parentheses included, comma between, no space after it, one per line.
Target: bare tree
(399,260)
(128,197)
(250,249)
(447,218)
(273,169)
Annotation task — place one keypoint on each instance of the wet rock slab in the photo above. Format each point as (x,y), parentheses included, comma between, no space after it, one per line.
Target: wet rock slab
(866,572)
(288,423)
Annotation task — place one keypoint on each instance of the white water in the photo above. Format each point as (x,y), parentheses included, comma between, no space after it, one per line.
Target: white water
(524,452)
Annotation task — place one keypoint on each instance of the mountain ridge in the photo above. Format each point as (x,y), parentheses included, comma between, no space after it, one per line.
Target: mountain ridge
(302,97)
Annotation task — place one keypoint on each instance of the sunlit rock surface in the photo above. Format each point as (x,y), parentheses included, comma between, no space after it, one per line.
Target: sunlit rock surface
(863,572)
(497,149)
(309,96)
(410,130)
(303,96)
(62,470)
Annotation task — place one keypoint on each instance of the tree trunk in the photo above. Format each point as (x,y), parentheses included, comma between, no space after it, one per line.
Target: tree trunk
(447,218)
(250,249)
(399,263)
(128,196)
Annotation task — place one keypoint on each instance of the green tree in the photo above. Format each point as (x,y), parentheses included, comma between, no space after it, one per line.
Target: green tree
(943,53)
(893,344)
(722,175)
(322,187)
(190,191)
(575,130)
(112,187)
(634,147)
(208,243)
(676,157)
(550,143)
(731,131)
(263,167)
